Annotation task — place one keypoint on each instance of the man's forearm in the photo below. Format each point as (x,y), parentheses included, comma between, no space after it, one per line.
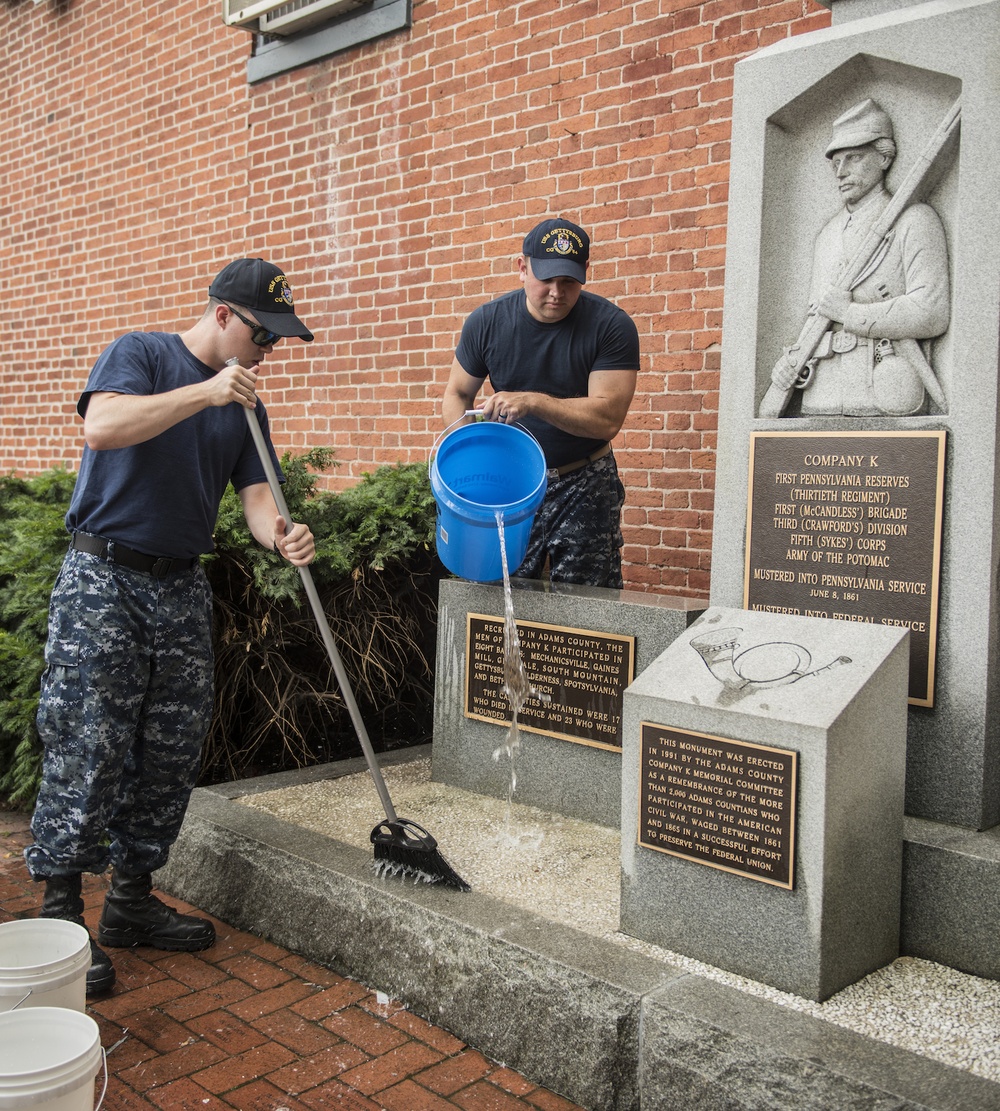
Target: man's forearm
(587,417)
(598,415)
(116,420)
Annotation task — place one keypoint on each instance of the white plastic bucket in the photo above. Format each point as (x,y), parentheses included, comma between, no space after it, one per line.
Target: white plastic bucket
(44,963)
(49,1057)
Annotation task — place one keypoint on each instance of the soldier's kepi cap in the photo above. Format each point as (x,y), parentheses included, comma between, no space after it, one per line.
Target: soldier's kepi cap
(859,126)
(262,288)
(557,249)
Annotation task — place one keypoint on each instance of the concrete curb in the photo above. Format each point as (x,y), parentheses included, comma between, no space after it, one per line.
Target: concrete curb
(609,1029)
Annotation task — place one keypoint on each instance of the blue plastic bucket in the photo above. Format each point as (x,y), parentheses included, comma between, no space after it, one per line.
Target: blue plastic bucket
(480,468)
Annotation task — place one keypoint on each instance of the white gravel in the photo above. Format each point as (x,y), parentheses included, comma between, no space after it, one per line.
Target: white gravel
(567,870)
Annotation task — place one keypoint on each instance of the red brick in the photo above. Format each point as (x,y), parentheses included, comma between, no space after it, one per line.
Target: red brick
(157,1030)
(208,999)
(133,1000)
(335,1096)
(261,1095)
(323,1003)
(308,1072)
(290,1029)
(456,1072)
(121,1097)
(227,1032)
(264,1002)
(484,1096)
(229,944)
(510,1081)
(548,1101)
(268,951)
(181,1095)
(191,970)
(409,1096)
(259,974)
(365,1031)
(235,1071)
(309,971)
(391,1068)
(135,969)
(161,1069)
(419,1028)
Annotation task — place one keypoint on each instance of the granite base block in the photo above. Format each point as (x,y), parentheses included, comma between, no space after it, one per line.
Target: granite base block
(707,1047)
(847,724)
(951,896)
(553,1003)
(609,1029)
(558,775)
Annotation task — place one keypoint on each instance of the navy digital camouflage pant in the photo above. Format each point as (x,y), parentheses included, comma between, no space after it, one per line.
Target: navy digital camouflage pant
(578,528)
(125,706)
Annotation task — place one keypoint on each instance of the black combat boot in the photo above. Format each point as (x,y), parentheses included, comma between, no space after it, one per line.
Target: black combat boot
(134,916)
(63,900)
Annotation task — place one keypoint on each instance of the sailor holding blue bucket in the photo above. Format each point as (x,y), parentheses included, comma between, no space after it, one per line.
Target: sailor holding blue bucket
(562,363)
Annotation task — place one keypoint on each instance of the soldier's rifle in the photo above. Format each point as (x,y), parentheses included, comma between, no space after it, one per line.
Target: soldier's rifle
(872,247)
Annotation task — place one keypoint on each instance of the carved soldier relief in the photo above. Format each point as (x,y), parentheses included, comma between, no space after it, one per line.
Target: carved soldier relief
(879,287)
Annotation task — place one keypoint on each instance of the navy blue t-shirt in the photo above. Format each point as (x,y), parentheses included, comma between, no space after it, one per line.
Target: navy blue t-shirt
(501,340)
(162,497)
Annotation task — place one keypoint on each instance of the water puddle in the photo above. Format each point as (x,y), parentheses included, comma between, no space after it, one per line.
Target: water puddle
(519,689)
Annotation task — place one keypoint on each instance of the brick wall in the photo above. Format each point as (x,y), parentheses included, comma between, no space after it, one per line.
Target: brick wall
(394,183)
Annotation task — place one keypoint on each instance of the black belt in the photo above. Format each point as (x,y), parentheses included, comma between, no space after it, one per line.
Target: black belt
(113,552)
(568,468)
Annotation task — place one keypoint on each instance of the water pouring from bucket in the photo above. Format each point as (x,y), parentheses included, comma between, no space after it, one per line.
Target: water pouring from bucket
(517,684)
(478,470)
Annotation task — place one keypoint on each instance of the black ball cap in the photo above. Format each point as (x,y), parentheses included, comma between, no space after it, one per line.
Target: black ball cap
(262,288)
(557,249)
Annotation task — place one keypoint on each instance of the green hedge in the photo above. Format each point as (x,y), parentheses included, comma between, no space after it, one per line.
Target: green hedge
(277,701)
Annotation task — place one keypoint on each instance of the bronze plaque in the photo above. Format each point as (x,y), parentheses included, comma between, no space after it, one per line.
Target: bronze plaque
(584,674)
(848,526)
(728,804)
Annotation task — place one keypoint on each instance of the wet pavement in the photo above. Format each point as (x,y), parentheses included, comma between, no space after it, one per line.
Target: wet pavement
(247,1025)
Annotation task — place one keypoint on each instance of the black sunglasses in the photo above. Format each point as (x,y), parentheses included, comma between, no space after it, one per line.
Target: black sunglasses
(262,337)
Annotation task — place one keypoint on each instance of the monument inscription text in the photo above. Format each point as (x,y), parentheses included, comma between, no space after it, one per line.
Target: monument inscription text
(728,804)
(583,673)
(848,526)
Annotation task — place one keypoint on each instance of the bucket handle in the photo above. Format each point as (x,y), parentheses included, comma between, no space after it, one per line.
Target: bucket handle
(104,1054)
(441,435)
(21,1000)
(104,1090)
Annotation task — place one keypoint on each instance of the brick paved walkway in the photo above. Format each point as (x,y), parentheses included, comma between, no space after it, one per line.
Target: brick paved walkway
(250,1026)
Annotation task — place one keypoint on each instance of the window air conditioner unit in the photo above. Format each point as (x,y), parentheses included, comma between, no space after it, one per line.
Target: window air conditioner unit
(284,17)
(244,13)
(293,16)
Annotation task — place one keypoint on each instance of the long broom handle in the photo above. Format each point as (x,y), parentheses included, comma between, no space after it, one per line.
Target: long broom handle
(321,621)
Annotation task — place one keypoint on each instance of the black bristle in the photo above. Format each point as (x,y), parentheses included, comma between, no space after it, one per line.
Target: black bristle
(402,846)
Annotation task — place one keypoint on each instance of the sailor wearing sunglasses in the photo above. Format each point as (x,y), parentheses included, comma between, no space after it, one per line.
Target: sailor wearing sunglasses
(127,692)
